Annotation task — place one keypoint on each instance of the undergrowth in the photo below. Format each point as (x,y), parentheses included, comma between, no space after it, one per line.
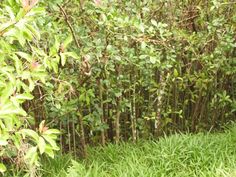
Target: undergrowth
(180,155)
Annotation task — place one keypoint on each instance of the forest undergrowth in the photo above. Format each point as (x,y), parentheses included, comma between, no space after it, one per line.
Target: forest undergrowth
(178,155)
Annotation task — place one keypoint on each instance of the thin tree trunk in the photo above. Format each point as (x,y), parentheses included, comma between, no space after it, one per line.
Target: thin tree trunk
(133,117)
(117,121)
(61,138)
(160,93)
(74,138)
(195,113)
(68,132)
(82,136)
(118,105)
(103,139)
(110,122)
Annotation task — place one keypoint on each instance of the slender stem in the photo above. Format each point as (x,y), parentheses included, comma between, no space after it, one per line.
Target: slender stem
(70,26)
(103,139)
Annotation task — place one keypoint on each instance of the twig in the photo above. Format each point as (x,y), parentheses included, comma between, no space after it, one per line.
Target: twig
(81,5)
(70,26)
(189,18)
(154,13)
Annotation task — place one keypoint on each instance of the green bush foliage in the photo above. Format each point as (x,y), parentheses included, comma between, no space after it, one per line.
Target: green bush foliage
(24,65)
(143,68)
(106,71)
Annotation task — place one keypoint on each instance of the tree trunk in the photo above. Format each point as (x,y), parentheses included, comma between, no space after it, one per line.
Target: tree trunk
(103,138)
(117,121)
(160,93)
(82,136)
(133,117)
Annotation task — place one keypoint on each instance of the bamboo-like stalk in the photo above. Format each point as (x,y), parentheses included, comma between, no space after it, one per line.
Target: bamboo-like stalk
(117,120)
(74,138)
(69,135)
(160,93)
(82,135)
(110,122)
(133,116)
(103,138)
(196,112)
(61,137)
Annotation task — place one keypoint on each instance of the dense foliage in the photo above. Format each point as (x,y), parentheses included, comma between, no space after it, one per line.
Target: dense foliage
(144,70)
(109,71)
(24,67)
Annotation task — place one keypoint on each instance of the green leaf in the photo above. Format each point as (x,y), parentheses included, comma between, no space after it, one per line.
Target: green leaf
(176,74)
(49,151)
(20,14)
(30,133)
(34,31)
(118,94)
(25,75)
(24,96)
(2,168)
(20,37)
(36,11)
(67,41)
(25,56)
(54,67)
(7,92)
(41,145)
(142,27)
(9,109)
(3,142)
(154,22)
(51,141)
(52,131)
(10,12)
(143,45)
(63,59)
(17,140)
(153,60)
(72,54)
(27,34)
(18,64)
(31,84)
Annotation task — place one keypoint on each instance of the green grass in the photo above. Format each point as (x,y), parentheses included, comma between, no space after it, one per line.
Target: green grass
(201,155)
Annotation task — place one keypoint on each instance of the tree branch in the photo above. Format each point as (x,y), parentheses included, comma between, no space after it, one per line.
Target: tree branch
(69,25)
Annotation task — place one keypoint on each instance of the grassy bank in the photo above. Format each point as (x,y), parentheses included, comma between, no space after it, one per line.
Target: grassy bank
(205,155)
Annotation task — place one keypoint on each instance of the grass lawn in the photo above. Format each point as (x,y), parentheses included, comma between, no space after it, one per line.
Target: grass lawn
(200,155)
(178,156)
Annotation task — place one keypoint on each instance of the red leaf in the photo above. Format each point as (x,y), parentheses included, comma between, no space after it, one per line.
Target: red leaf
(97,2)
(28,4)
